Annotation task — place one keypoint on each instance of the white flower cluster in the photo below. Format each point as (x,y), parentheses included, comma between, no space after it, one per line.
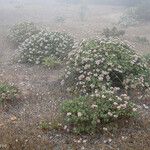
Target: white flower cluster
(90,111)
(101,64)
(45,44)
(20,32)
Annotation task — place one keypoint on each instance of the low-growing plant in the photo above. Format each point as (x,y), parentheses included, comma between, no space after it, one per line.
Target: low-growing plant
(89,114)
(114,32)
(45,44)
(8,93)
(51,62)
(21,31)
(44,125)
(101,64)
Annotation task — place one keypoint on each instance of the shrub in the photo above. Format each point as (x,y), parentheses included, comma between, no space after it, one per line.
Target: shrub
(101,64)
(20,32)
(142,40)
(44,125)
(90,114)
(51,62)
(147,57)
(136,14)
(45,44)
(114,32)
(7,93)
(128,18)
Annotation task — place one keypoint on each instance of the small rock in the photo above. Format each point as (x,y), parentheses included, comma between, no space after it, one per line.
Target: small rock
(13,118)
(145,106)
(39,136)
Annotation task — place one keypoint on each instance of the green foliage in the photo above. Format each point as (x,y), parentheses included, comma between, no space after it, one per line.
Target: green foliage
(7,93)
(45,44)
(44,125)
(114,32)
(51,62)
(105,64)
(20,32)
(89,114)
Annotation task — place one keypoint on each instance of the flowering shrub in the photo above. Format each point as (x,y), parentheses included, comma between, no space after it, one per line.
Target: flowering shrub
(101,64)
(7,93)
(128,18)
(45,44)
(20,32)
(89,113)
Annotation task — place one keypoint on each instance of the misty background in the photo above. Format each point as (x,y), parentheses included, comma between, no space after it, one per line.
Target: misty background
(81,18)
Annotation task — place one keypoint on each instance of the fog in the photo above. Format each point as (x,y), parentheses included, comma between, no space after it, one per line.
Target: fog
(92,54)
(75,16)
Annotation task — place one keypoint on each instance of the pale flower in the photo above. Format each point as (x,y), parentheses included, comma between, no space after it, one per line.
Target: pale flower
(118,107)
(115,116)
(100,78)
(87,66)
(103,96)
(105,129)
(134,109)
(92,86)
(81,77)
(79,114)
(69,114)
(98,62)
(110,114)
(94,106)
(115,103)
(98,121)
(65,127)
